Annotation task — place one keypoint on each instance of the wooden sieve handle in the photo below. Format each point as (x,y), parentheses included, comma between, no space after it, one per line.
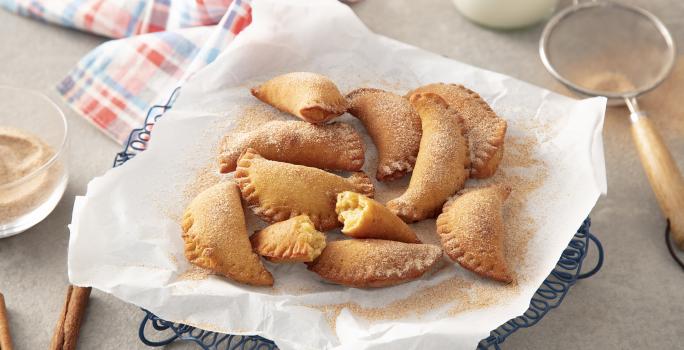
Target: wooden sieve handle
(663,174)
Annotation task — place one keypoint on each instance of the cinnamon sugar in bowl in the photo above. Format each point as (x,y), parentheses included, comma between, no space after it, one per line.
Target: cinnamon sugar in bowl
(33,175)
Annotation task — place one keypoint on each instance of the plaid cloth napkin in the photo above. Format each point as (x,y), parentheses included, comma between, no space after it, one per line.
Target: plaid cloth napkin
(159,44)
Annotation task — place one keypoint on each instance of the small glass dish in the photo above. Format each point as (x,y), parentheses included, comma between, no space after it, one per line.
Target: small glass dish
(33,164)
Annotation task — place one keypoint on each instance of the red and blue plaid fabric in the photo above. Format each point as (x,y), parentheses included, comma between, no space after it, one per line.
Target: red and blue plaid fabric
(159,44)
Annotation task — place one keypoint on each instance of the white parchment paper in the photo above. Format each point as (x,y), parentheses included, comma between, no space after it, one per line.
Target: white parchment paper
(126,239)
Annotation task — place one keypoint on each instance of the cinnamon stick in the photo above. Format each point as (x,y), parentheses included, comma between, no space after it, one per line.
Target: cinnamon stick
(69,323)
(5,339)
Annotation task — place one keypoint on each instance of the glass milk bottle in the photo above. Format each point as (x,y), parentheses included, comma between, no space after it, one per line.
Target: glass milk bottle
(506,14)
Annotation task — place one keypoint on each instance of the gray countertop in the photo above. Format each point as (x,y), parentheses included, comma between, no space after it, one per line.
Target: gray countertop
(636,301)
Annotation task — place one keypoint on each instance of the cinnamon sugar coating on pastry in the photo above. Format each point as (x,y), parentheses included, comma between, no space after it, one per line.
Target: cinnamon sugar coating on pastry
(394,127)
(471,229)
(335,146)
(483,127)
(310,96)
(215,235)
(366,218)
(277,191)
(292,240)
(373,263)
(442,164)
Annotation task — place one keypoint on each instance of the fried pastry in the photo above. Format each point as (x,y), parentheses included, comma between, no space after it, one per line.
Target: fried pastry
(442,163)
(485,130)
(394,127)
(471,229)
(277,191)
(372,263)
(310,96)
(292,240)
(335,146)
(215,235)
(365,218)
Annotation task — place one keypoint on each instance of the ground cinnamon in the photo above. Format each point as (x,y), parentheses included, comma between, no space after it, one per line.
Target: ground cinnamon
(22,154)
(69,323)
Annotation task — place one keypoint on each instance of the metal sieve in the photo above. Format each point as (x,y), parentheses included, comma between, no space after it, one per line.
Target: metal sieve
(601,48)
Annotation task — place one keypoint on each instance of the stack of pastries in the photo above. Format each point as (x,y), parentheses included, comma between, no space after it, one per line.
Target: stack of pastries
(443,134)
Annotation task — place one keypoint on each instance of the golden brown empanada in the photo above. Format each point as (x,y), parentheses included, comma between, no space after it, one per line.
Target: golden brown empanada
(215,235)
(292,240)
(335,146)
(365,218)
(372,263)
(277,191)
(471,229)
(442,163)
(485,130)
(310,96)
(394,126)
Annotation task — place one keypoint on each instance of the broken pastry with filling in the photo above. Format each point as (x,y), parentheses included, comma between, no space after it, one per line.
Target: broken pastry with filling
(292,240)
(364,217)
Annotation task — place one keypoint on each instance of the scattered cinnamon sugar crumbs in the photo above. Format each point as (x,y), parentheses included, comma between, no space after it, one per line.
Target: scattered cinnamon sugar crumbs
(483,295)
(206,177)
(519,151)
(520,225)
(173,259)
(194,273)
(462,294)
(252,116)
(331,313)
(418,303)
(281,289)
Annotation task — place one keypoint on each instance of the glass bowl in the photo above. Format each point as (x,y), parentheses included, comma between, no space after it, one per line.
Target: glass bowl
(33,173)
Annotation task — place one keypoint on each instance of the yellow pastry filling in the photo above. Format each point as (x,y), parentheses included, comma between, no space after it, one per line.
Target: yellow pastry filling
(308,235)
(350,207)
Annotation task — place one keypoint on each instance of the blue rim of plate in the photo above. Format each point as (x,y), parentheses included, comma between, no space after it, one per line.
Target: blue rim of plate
(156,332)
